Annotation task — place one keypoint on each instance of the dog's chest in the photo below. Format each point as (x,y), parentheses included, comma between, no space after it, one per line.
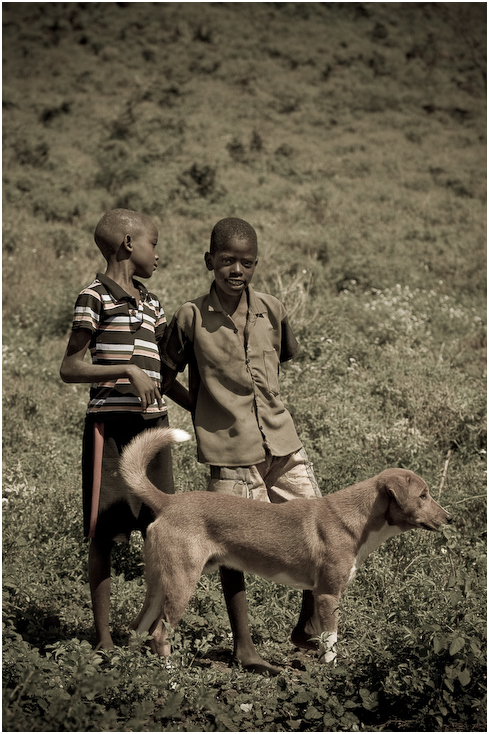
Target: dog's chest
(374,539)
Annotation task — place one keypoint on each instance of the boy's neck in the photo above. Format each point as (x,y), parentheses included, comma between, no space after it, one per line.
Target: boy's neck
(123,276)
(231,304)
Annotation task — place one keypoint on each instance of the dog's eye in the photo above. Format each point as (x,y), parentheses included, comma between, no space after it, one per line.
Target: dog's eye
(424,496)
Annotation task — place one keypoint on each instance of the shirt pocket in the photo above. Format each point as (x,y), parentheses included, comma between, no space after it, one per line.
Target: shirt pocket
(271,370)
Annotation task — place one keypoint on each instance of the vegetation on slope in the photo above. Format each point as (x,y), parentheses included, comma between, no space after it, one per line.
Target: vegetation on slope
(352,136)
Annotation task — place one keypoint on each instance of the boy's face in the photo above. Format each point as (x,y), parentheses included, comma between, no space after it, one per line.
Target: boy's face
(144,255)
(233,266)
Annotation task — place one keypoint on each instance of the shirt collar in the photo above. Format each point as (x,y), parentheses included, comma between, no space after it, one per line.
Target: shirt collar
(254,305)
(117,291)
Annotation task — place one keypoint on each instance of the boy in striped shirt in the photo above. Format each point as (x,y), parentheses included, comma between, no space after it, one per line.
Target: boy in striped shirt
(122,325)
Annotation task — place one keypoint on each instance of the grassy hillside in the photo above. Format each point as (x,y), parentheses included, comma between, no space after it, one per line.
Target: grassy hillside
(352,136)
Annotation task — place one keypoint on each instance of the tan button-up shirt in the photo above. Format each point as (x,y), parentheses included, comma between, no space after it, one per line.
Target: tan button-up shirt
(239,415)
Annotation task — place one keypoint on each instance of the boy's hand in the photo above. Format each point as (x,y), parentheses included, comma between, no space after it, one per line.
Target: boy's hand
(74,369)
(144,387)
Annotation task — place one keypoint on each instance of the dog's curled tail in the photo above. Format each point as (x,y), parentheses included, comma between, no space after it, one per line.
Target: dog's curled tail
(138,454)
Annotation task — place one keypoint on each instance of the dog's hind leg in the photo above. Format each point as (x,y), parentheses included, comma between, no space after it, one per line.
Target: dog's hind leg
(149,620)
(136,622)
(172,571)
(164,608)
(160,644)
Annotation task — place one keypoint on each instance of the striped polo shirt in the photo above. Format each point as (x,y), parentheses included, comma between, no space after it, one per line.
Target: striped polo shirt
(122,332)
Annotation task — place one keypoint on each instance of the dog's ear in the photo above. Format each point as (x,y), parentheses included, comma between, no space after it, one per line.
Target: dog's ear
(396,485)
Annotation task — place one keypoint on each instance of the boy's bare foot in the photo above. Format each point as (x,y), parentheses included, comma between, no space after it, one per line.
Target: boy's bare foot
(256,664)
(105,643)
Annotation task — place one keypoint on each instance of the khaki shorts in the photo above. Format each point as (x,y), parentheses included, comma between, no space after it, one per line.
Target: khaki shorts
(277,479)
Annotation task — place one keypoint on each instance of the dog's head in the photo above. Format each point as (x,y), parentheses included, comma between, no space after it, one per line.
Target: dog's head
(411,504)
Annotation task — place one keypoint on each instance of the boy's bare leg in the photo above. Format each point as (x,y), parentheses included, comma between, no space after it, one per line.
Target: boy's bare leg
(233,586)
(299,636)
(99,581)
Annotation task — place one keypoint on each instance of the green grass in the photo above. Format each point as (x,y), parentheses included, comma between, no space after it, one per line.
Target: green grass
(352,136)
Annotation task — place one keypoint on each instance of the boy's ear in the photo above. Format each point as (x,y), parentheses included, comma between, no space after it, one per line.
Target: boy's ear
(128,242)
(208,261)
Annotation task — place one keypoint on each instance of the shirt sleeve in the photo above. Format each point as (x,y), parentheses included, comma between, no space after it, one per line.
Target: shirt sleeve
(176,348)
(289,346)
(160,325)
(88,311)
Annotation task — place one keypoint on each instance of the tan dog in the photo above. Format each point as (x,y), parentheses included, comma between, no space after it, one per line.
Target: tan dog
(315,544)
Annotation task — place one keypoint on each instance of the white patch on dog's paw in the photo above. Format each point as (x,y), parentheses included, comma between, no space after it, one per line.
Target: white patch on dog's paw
(178,435)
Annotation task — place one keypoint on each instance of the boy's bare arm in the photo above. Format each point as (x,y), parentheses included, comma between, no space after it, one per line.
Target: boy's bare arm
(180,395)
(75,369)
(168,377)
(175,390)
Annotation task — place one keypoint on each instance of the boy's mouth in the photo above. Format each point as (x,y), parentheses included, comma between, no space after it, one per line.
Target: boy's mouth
(235,282)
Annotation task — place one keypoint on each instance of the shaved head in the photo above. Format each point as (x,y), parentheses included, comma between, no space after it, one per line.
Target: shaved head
(114,226)
(232,228)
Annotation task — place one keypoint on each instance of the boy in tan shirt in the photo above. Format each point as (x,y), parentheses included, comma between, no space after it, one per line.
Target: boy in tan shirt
(233,340)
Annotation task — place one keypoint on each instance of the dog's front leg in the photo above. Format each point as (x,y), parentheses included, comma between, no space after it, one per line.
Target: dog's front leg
(326,623)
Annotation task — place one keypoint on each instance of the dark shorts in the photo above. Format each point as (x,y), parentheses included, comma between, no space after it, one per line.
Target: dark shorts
(119,511)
